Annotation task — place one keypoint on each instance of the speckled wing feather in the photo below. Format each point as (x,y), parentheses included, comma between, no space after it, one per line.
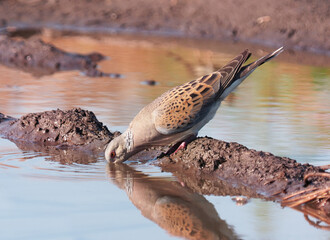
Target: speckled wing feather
(184,106)
(228,71)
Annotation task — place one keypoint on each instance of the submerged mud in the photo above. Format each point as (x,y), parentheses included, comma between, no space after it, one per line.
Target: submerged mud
(207,166)
(40,58)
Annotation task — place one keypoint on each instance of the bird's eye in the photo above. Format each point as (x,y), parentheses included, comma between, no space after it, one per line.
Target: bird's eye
(113,154)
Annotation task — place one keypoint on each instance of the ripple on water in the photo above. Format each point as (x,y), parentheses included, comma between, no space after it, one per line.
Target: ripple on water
(38,165)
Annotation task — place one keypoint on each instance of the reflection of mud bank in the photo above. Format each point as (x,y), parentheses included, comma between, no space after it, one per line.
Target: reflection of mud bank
(207,166)
(40,58)
(295,24)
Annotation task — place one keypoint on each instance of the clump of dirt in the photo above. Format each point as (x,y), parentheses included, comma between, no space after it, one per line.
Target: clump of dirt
(40,58)
(75,127)
(211,166)
(236,163)
(4,118)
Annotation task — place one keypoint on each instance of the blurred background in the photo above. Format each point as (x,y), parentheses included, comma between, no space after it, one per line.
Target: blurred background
(299,25)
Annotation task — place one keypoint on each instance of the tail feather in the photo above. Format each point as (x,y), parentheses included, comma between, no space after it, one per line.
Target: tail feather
(248,69)
(232,79)
(229,71)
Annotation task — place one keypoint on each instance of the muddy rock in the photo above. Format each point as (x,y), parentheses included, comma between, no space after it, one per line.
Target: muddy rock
(75,127)
(210,166)
(4,118)
(235,163)
(40,58)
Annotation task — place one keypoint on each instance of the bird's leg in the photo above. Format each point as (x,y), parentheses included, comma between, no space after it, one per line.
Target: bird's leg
(180,145)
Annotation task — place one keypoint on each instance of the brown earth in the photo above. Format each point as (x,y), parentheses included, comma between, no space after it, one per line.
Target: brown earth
(300,25)
(75,127)
(40,58)
(22,21)
(235,163)
(62,136)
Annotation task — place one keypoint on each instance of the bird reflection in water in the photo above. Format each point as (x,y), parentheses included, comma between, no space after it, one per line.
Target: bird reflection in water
(175,208)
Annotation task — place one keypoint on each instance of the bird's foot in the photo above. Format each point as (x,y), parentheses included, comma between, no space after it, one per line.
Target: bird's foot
(182,146)
(179,145)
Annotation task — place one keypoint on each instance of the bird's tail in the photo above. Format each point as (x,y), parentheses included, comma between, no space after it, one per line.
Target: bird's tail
(239,72)
(248,69)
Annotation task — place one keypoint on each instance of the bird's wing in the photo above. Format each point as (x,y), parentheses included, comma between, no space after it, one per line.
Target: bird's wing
(229,71)
(184,106)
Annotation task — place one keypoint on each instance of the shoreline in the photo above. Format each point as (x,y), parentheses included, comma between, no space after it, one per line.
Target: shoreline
(271,24)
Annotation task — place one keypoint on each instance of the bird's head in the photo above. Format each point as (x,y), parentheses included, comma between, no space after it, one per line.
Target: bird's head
(116,150)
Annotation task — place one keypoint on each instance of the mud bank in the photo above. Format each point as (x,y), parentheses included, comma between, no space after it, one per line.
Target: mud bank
(232,162)
(40,58)
(208,166)
(299,25)
(63,129)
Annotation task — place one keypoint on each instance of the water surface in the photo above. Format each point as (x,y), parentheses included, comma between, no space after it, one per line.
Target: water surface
(282,108)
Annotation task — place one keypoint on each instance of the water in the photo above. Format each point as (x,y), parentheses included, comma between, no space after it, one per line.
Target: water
(282,107)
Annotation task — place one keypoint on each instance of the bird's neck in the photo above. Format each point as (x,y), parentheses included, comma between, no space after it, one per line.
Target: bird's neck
(129,145)
(128,140)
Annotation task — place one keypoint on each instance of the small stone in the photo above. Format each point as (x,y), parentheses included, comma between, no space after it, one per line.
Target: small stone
(263,19)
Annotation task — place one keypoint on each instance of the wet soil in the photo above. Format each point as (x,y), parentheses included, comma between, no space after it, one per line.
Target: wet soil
(302,25)
(40,58)
(261,172)
(63,129)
